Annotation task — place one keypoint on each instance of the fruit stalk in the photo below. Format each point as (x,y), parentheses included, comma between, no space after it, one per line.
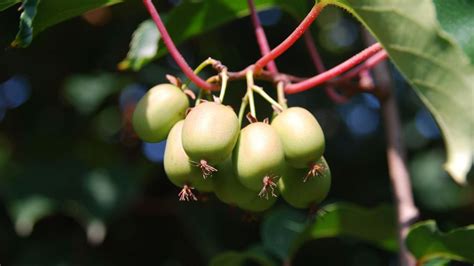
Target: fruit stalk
(267,97)
(265,49)
(243,106)
(250,85)
(174,51)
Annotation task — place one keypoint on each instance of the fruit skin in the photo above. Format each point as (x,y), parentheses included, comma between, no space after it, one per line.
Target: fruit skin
(301,136)
(301,194)
(210,132)
(178,168)
(258,204)
(157,112)
(227,187)
(258,153)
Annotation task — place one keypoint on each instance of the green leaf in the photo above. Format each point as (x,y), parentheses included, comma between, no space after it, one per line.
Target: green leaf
(37,17)
(457,18)
(26,212)
(192,18)
(143,46)
(235,258)
(91,196)
(376,226)
(279,230)
(25,31)
(4,4)
(87,92)
(432,62)
(426,242)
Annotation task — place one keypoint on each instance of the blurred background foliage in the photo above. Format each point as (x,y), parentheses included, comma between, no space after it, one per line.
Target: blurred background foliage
(78,188)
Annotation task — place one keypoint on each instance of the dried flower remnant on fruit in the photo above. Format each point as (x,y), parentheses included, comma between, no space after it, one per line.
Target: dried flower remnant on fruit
(186,194)
(316,169)
(269,186)
(206,169)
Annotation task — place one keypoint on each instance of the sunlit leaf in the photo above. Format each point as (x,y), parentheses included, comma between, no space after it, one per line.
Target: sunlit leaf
(432,62)
(143,46)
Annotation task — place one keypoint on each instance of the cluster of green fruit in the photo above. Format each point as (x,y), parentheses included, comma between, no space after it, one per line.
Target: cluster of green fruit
(206,150)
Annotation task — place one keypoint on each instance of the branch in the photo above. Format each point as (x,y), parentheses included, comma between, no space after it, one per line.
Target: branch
(290,40)
(407,212)
(370,63)
(261,37)
(318,64)
(333,72)
(174,51)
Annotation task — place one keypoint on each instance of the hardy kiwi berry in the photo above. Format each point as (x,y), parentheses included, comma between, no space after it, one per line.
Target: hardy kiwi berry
(157,112)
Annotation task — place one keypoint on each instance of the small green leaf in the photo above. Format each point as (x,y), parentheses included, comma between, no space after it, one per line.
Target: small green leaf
(235,258)
(87,92)
(4,4)
(279,230)
(25,31)
(456,17)
(432,62)
(192,18)
(26,212)
(376,226)
(426,242)
(37,16)
(143,46)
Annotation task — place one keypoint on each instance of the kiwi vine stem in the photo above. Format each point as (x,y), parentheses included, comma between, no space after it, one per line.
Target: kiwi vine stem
(174,51)
(333,72)
(291,39)
(261,37)
(406,210)
(319,65)
(265,49)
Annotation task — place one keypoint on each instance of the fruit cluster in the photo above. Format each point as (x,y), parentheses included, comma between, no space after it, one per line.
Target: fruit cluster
(206,150)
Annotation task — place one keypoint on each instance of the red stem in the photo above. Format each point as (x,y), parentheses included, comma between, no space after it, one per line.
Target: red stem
(318,64)
(290,40)
(368,64)
(261,37)
(174,51)
(313,52)
(333,72)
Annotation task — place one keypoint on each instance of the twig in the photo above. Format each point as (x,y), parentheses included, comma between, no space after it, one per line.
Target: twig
(318,64)
(261,37)
(174,51)
(290,40)
(333,72)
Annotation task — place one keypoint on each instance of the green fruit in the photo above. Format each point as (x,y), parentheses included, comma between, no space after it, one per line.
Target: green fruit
(157,112)
(301,136)
(210,132)
(228,188)
(257,204)
(300,194)
(178,168)
(258,155)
